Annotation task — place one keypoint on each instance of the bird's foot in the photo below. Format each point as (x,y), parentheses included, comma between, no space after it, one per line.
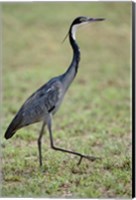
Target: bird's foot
(91,158)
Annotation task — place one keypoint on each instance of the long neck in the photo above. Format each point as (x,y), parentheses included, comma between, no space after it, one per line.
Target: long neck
(71,72)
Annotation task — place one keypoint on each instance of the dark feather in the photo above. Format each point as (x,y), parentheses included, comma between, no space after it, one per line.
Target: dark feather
(36,107)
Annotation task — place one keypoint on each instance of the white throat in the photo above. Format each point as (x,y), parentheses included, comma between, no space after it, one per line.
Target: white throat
(74,29)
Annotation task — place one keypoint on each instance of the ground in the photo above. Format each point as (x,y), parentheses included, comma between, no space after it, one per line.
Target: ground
(95,115)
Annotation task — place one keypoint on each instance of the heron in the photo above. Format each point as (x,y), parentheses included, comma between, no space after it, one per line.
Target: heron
(45,102)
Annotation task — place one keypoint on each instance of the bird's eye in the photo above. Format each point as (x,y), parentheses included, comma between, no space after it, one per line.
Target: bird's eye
(82,19)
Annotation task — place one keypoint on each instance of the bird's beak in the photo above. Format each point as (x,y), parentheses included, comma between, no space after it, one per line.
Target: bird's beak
(95,19)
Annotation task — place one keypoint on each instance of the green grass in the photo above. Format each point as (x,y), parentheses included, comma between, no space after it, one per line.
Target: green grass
(95,116)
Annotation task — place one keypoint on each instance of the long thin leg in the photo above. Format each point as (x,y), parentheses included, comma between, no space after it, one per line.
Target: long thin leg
(39,143)
(92,158)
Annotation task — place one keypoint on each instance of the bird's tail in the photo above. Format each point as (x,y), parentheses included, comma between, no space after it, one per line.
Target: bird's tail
(9,133)
(12,128)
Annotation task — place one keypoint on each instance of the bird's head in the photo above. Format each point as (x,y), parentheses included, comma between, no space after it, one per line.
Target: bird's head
(82,20)
(85,20)
(79,21)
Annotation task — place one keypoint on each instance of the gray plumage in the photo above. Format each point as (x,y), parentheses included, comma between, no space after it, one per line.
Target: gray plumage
(45,102)
(35,109)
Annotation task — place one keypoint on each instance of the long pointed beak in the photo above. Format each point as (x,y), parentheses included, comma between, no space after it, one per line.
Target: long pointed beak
(95,19)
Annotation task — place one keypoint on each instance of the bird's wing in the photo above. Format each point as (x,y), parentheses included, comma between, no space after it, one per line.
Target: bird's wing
(42,102)
(37,107)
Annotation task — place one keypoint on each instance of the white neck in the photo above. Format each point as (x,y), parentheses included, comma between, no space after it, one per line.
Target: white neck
(74,29)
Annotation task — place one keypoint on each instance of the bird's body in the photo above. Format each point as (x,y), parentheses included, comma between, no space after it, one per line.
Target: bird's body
(45,102)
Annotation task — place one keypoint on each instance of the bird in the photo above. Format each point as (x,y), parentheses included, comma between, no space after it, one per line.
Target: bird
(45,102)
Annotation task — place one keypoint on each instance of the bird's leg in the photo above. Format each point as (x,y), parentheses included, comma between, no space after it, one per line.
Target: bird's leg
(39,143)
(92,158)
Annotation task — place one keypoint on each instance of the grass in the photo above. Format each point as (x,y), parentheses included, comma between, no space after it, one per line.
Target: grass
(95,116)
